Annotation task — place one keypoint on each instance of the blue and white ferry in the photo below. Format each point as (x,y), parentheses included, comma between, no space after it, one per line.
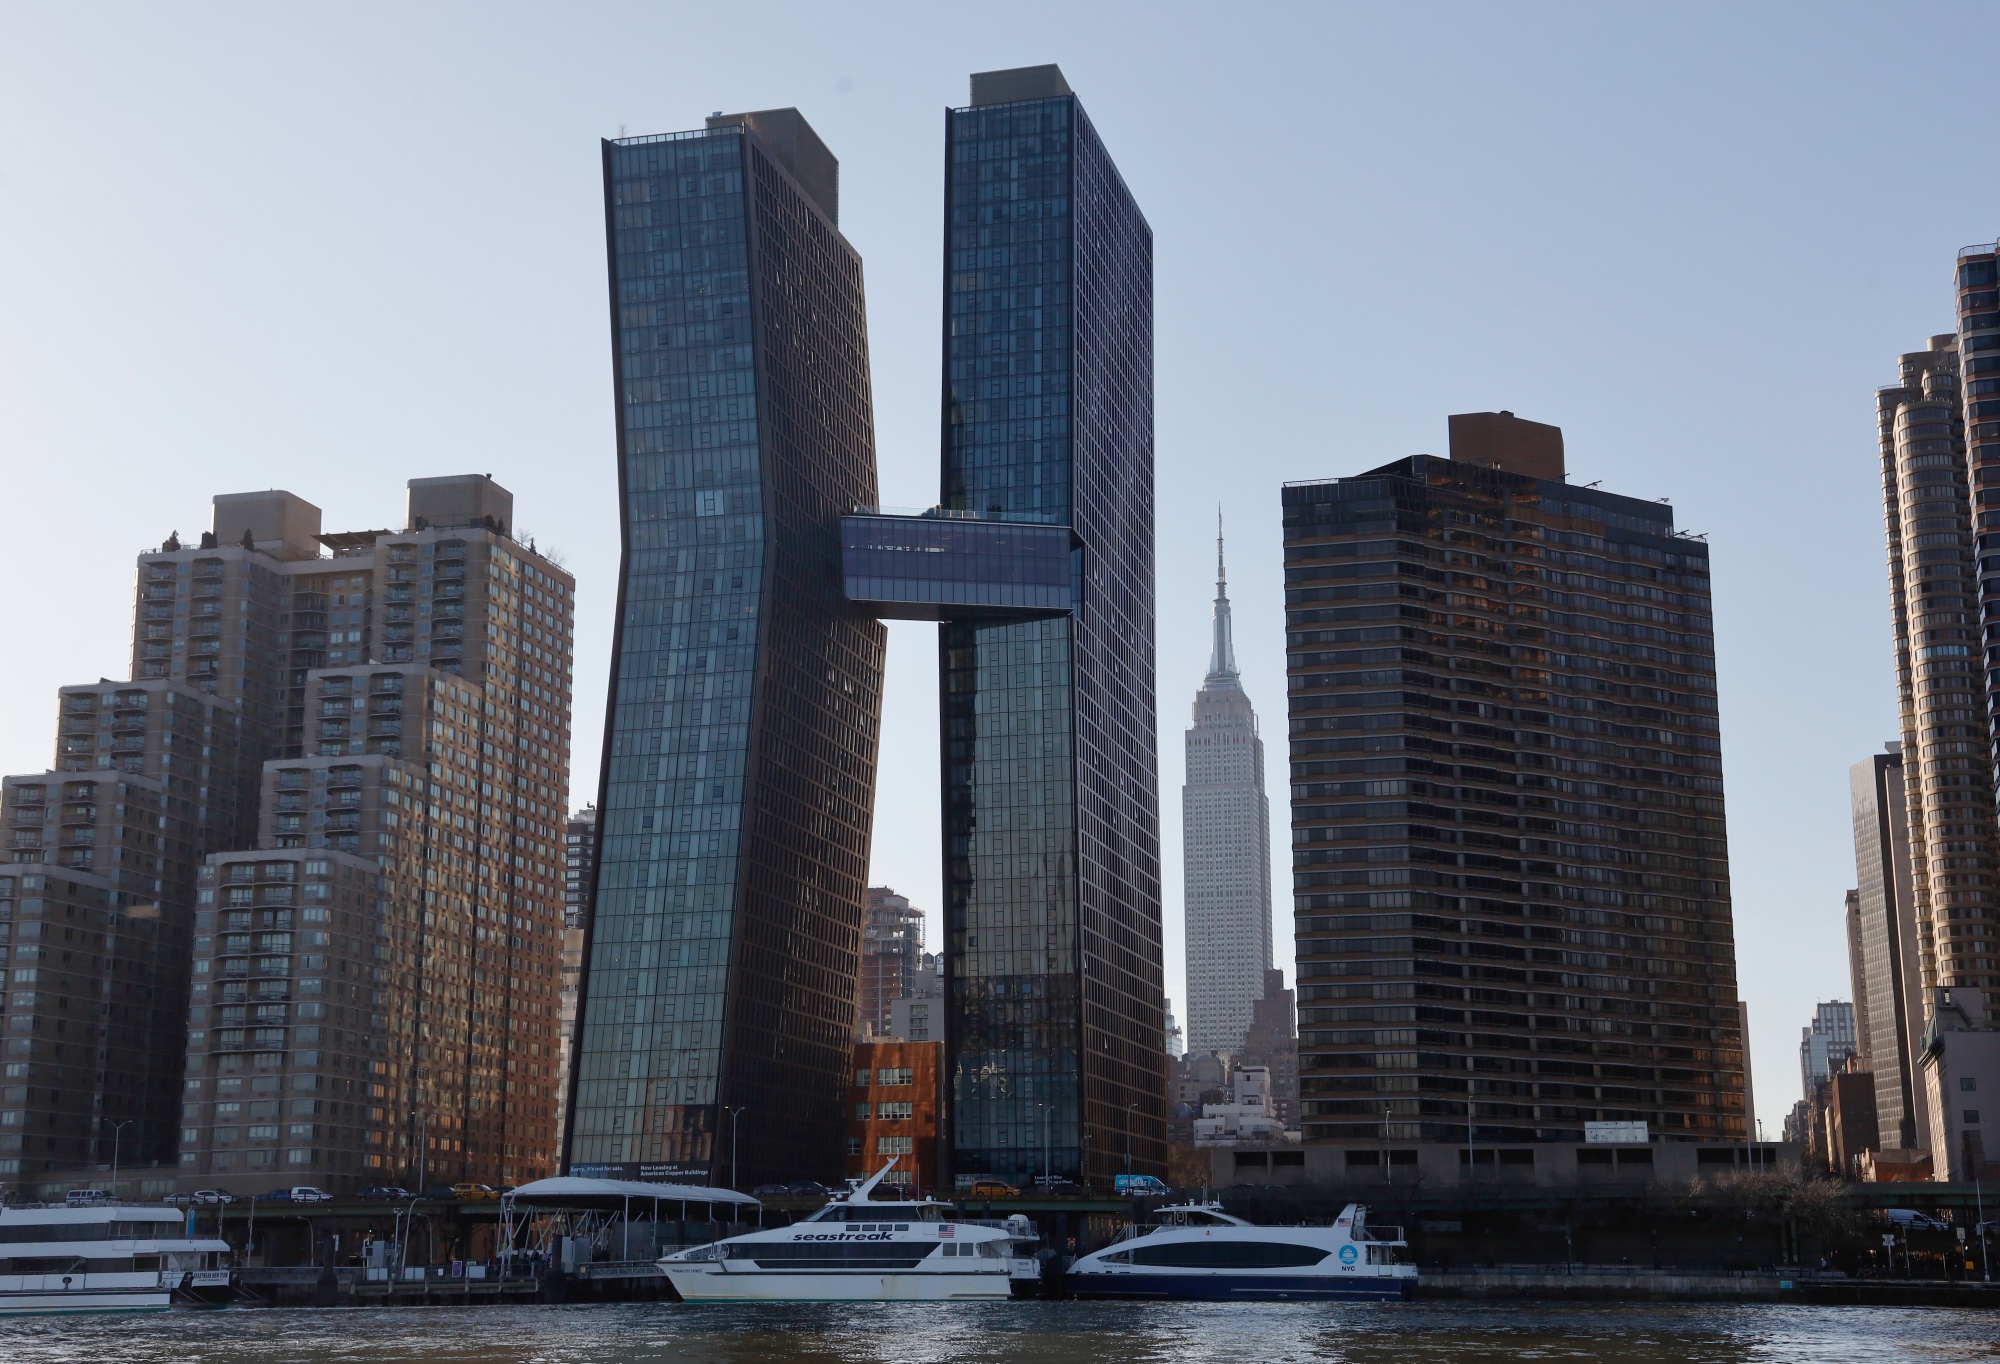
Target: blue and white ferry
(1197,1250)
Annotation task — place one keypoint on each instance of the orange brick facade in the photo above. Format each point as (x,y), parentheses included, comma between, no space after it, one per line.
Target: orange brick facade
(892,1109)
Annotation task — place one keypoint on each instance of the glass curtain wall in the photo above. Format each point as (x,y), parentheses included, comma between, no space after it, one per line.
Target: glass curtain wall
(717,996)
(1054,1033)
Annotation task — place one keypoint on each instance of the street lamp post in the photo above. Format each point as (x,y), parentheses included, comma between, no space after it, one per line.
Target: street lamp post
(117,1135)
(423,1150)
(735,1125)
(1387,1173)
(1979,1203)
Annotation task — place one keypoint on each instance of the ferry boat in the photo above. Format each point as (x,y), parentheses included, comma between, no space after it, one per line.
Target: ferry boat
(102,1258)
(1199,1251)
(859,1249)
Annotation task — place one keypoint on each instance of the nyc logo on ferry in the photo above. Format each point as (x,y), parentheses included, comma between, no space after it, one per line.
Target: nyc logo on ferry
(1348,1255)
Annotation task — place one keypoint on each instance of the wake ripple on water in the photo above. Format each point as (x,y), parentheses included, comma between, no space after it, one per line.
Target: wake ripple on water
(1014,1333)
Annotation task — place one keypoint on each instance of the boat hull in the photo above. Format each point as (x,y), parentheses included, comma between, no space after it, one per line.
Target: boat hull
(1244,1287)
(836,1286)
(25,1302)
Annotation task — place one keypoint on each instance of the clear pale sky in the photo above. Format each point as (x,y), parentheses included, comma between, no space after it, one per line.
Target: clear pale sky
(329,248)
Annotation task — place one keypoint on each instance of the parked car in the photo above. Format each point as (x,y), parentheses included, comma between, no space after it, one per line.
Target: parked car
(1909,1219)
(385,1193)
(807,1188)
(86,1198)
(298,1193)
(210,1198)
(992,1188)
(772,1191)
(474,1193)
(1140,1186)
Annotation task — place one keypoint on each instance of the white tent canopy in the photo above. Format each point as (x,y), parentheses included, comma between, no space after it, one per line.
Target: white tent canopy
(570,1191)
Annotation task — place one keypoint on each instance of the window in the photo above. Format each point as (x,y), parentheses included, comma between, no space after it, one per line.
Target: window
(854,1146)
(861,1112)
(895,1146)
(894,1075)
(1228,1255)
(861,1079)
(895,1111)
(1967,1084)
(1972,1117)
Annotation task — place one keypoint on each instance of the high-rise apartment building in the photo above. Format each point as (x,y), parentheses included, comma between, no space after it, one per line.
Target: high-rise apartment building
(1273,1043)
(1225,848)
(1039,564)
(1511,874)
(1825,1043)
(378,967)
(1883,957)
(103,849)
(1051,804)
(1978,296)
(739,764)
(892,953)
(1940,675)
(579,872)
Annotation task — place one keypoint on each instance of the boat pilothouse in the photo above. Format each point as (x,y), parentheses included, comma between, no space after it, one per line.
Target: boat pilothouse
(860,1249)
(1197,1250)
(102,1258)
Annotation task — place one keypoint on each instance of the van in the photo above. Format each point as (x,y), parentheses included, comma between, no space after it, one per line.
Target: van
(88,1198)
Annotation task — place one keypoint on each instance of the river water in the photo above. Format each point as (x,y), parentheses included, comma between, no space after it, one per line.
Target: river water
(1012,1333)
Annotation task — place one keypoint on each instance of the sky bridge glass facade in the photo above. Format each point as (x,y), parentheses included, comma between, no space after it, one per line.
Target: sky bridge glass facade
(738,778)
(930,568)
(1056,1010)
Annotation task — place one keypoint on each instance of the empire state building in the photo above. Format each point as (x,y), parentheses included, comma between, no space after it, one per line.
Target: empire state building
(1226,840)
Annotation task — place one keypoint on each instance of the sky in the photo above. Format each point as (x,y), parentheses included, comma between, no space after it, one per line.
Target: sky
(329,248)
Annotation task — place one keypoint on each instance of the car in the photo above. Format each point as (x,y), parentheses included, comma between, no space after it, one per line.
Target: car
(298,1193)
(1140,1186)
(474,1193)
(991,1188)
(807,1188)
(88,1198)
(1909,1219)
(385,1193)
(772,1191)
(211,1198)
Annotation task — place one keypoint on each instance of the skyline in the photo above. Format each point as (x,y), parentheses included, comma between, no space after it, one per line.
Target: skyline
(300,303)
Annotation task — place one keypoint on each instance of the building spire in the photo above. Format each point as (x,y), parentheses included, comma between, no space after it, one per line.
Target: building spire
(1222,657)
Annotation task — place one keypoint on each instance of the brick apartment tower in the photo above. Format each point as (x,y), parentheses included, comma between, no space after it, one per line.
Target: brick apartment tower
(1510,870)
(1940,675)
(375,972)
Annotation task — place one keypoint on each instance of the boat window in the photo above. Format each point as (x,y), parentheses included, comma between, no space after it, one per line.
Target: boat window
(860,1255)
(29,1234)
(1228,1255)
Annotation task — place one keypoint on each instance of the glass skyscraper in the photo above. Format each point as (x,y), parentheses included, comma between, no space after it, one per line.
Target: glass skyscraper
(1055,998)
(718,992)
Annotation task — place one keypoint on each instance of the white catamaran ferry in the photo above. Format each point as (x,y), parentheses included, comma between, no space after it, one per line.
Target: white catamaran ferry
(856,1249)
(1199,1251)
(106,1258)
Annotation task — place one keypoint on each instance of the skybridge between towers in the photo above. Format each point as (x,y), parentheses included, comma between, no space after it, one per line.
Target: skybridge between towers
(943,565)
